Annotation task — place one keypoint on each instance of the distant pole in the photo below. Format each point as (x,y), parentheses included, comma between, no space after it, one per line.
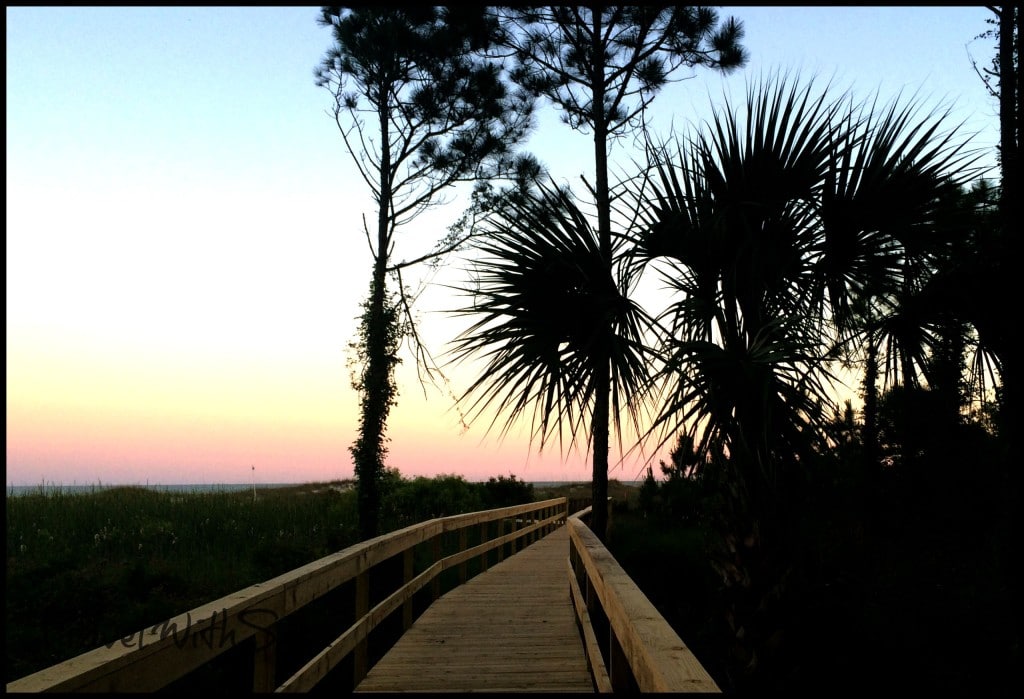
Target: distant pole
(254,484)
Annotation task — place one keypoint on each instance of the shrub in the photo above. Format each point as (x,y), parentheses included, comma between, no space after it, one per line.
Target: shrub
(504,492)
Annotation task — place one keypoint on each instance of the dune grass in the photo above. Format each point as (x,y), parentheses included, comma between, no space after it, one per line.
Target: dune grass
(84,570)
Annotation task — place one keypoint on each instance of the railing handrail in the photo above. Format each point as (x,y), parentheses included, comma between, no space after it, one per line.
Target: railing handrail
(641,643)
(160,656)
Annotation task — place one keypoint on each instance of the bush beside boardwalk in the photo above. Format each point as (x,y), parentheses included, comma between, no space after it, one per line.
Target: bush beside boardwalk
(918,604)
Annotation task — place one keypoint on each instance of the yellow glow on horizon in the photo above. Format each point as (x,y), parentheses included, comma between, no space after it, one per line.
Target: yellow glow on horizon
(147,415)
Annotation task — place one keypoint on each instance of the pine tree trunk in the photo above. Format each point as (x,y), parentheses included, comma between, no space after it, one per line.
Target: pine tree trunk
(377,384)
(375,404)
(1011,107)
(602,378)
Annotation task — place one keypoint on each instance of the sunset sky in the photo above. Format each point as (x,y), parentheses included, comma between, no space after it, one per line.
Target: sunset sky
(185,259)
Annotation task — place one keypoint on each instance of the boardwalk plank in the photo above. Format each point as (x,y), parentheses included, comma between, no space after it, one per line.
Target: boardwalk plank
(510,629)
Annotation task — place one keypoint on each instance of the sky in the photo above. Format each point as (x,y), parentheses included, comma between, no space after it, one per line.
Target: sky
(185,260)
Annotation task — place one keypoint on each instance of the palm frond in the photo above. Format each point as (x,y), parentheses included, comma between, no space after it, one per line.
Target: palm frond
(544,300)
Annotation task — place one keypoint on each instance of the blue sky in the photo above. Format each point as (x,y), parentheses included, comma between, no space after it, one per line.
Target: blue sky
(184,249)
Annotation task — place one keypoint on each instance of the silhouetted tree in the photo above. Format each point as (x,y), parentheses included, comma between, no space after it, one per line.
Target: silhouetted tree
(647,497)
(420,107)
(1005,74)
(773,224)
(544,300)
(996,268)
(602,67)
(684,486)
(869,394)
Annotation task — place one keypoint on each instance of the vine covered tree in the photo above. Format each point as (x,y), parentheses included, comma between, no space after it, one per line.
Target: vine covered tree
(421,105)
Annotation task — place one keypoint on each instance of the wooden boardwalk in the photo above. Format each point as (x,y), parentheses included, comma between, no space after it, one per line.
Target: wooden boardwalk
(509,629)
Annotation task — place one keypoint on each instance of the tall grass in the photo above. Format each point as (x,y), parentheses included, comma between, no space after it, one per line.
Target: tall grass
(84,570)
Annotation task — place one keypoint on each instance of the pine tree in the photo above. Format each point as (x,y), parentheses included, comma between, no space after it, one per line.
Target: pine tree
(602,68)
(421,106)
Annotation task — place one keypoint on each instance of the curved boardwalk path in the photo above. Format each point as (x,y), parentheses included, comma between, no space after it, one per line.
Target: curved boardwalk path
(509,629)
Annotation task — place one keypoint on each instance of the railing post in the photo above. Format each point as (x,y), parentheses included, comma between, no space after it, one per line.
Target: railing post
(574,559)
(588,593)
(483,539)
(501,533)
(407,575)
(359,660)
(265,661)
(619,671)
(435,584)
(462,547)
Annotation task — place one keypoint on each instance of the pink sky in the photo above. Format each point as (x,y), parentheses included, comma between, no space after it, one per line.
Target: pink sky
(80,411)
(66,447)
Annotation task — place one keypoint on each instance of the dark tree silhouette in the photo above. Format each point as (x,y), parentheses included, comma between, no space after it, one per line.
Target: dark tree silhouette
(420,107)
(603,67)
(996,266)
(774,224)
(544,301)
(997,270)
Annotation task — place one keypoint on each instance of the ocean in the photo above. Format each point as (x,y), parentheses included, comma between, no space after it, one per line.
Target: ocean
(53,488)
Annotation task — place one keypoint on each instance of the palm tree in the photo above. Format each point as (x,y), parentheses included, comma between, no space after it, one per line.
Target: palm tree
(734,217)
(602,66)
(546,299)
(776,228)
(893,220)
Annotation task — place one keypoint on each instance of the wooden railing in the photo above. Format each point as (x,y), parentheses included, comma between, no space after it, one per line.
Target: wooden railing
(156,657)
(629,644)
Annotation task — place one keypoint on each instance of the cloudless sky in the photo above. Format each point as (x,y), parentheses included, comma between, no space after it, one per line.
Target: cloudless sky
(185,257)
